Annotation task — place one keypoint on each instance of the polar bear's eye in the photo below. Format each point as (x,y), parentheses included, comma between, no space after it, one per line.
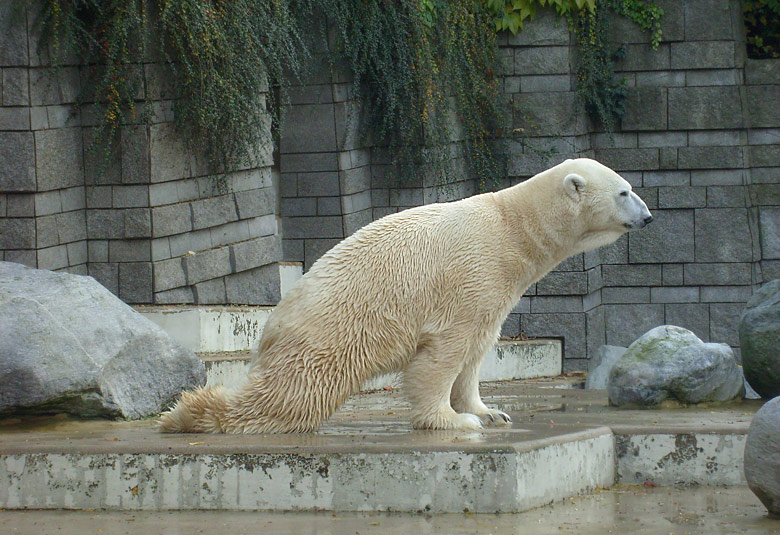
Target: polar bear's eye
(624,194)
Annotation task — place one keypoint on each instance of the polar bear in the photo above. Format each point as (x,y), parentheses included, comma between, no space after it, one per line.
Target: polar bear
(425,291)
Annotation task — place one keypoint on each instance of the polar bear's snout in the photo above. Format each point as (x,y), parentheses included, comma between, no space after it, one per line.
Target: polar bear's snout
(640,214)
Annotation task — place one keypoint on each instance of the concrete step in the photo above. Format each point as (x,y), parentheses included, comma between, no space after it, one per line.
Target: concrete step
(564,441)
(508,360)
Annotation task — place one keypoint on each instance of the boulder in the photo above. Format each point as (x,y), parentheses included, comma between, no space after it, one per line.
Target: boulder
(672,363)
(601,364)
(762,456)
(67,344)
(759,338)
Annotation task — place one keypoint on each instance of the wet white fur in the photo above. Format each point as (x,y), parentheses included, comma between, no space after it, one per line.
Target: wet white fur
(424,291)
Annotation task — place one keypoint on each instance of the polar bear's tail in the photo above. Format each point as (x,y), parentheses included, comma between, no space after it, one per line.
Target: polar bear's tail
(199,411)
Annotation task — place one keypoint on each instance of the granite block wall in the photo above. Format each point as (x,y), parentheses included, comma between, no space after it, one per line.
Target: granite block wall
(152,224)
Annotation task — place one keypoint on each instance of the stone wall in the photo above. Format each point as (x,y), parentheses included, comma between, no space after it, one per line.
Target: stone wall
(700,143)
(153,226)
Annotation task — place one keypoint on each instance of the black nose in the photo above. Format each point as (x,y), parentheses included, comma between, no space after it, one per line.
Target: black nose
(648,220)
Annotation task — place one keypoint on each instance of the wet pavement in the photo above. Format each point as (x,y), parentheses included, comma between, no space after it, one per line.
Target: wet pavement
(622,509)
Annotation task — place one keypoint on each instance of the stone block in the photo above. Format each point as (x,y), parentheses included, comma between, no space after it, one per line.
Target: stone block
(568,327)
(263,226)
(721,235)
(17,233)
(660,79)
(550,304)
(210,292)
(292,250)
(523,306)
(764,155)
(130,196)
(731,273)
(542,60)
(73,199)
(332,205)
(53,257)
(309,128)
(357,202)
(169,274)
(63,116)
(129,251)
(13,45)
(615,140)
(313,227)
(355,180)
(299,207)
(106,274)
(135,282)
(137,223)
(14,119)
(71,226)
(46,231)
(710,158)
(171,219)
(314,249)
(168,155)
(259,286)
(17,152)
(545,29)
(177,296)
(594,321)
(161,249)
(26,257)
(726,197)
(672,274)
(769,221)
(645,109)
(703,55)
(692,316)
(563,283)
(573,263)
(356,220)
(682,197)
(761,71)
(406,197)
(629,159)
(58,158)
(135,155)
(669,294)
(318,184)
(716,138)
(643,58)
(627,294)
(718,177)
(631,275)
(511,326)
(724,323)
(545,113)
(617,253)
(255,202)
(725,294)
(669,239)
(668,157)
(309,162)
(20,205)
(213,211)
(254,253)
(97,251)
(713,77)
(699,108)
(707,19)
(666,178)
(595,280)
(208,264)
(626,323)
(54,85)
(543,84)
(662,139)
(229,233)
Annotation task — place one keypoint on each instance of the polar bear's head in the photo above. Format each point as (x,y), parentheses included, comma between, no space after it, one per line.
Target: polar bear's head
(603,202)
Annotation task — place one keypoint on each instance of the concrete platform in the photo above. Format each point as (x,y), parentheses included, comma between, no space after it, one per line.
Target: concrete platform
(564,441)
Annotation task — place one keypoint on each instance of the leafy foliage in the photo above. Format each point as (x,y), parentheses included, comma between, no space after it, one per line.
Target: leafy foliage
(512,14)
(424,71)
(222,54)
(762,25)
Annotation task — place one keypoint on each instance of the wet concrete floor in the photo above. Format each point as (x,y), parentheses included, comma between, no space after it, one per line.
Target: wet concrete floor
(621,510)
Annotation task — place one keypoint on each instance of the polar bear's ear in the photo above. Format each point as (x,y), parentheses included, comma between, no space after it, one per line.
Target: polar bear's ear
(574,184)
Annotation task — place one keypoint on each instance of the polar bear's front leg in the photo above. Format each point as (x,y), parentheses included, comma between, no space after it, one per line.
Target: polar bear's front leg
(465,395)
(428,380)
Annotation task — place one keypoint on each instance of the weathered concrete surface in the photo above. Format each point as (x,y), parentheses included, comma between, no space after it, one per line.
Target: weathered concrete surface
(368,458)
(620,509)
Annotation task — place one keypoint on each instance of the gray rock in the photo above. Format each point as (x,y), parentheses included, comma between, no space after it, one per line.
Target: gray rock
(762,456)
(601,364)
(759,338)
(68,345)
(672,363)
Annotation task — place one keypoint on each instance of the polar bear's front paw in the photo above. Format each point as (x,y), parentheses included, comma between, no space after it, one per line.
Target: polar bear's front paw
(466,420)
(496,417)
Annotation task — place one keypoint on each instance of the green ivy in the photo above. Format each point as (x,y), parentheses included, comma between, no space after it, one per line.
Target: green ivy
(512,14)
(762,26)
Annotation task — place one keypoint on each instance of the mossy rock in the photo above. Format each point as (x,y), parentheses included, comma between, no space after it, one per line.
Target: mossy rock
(759,338)
(670,363)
